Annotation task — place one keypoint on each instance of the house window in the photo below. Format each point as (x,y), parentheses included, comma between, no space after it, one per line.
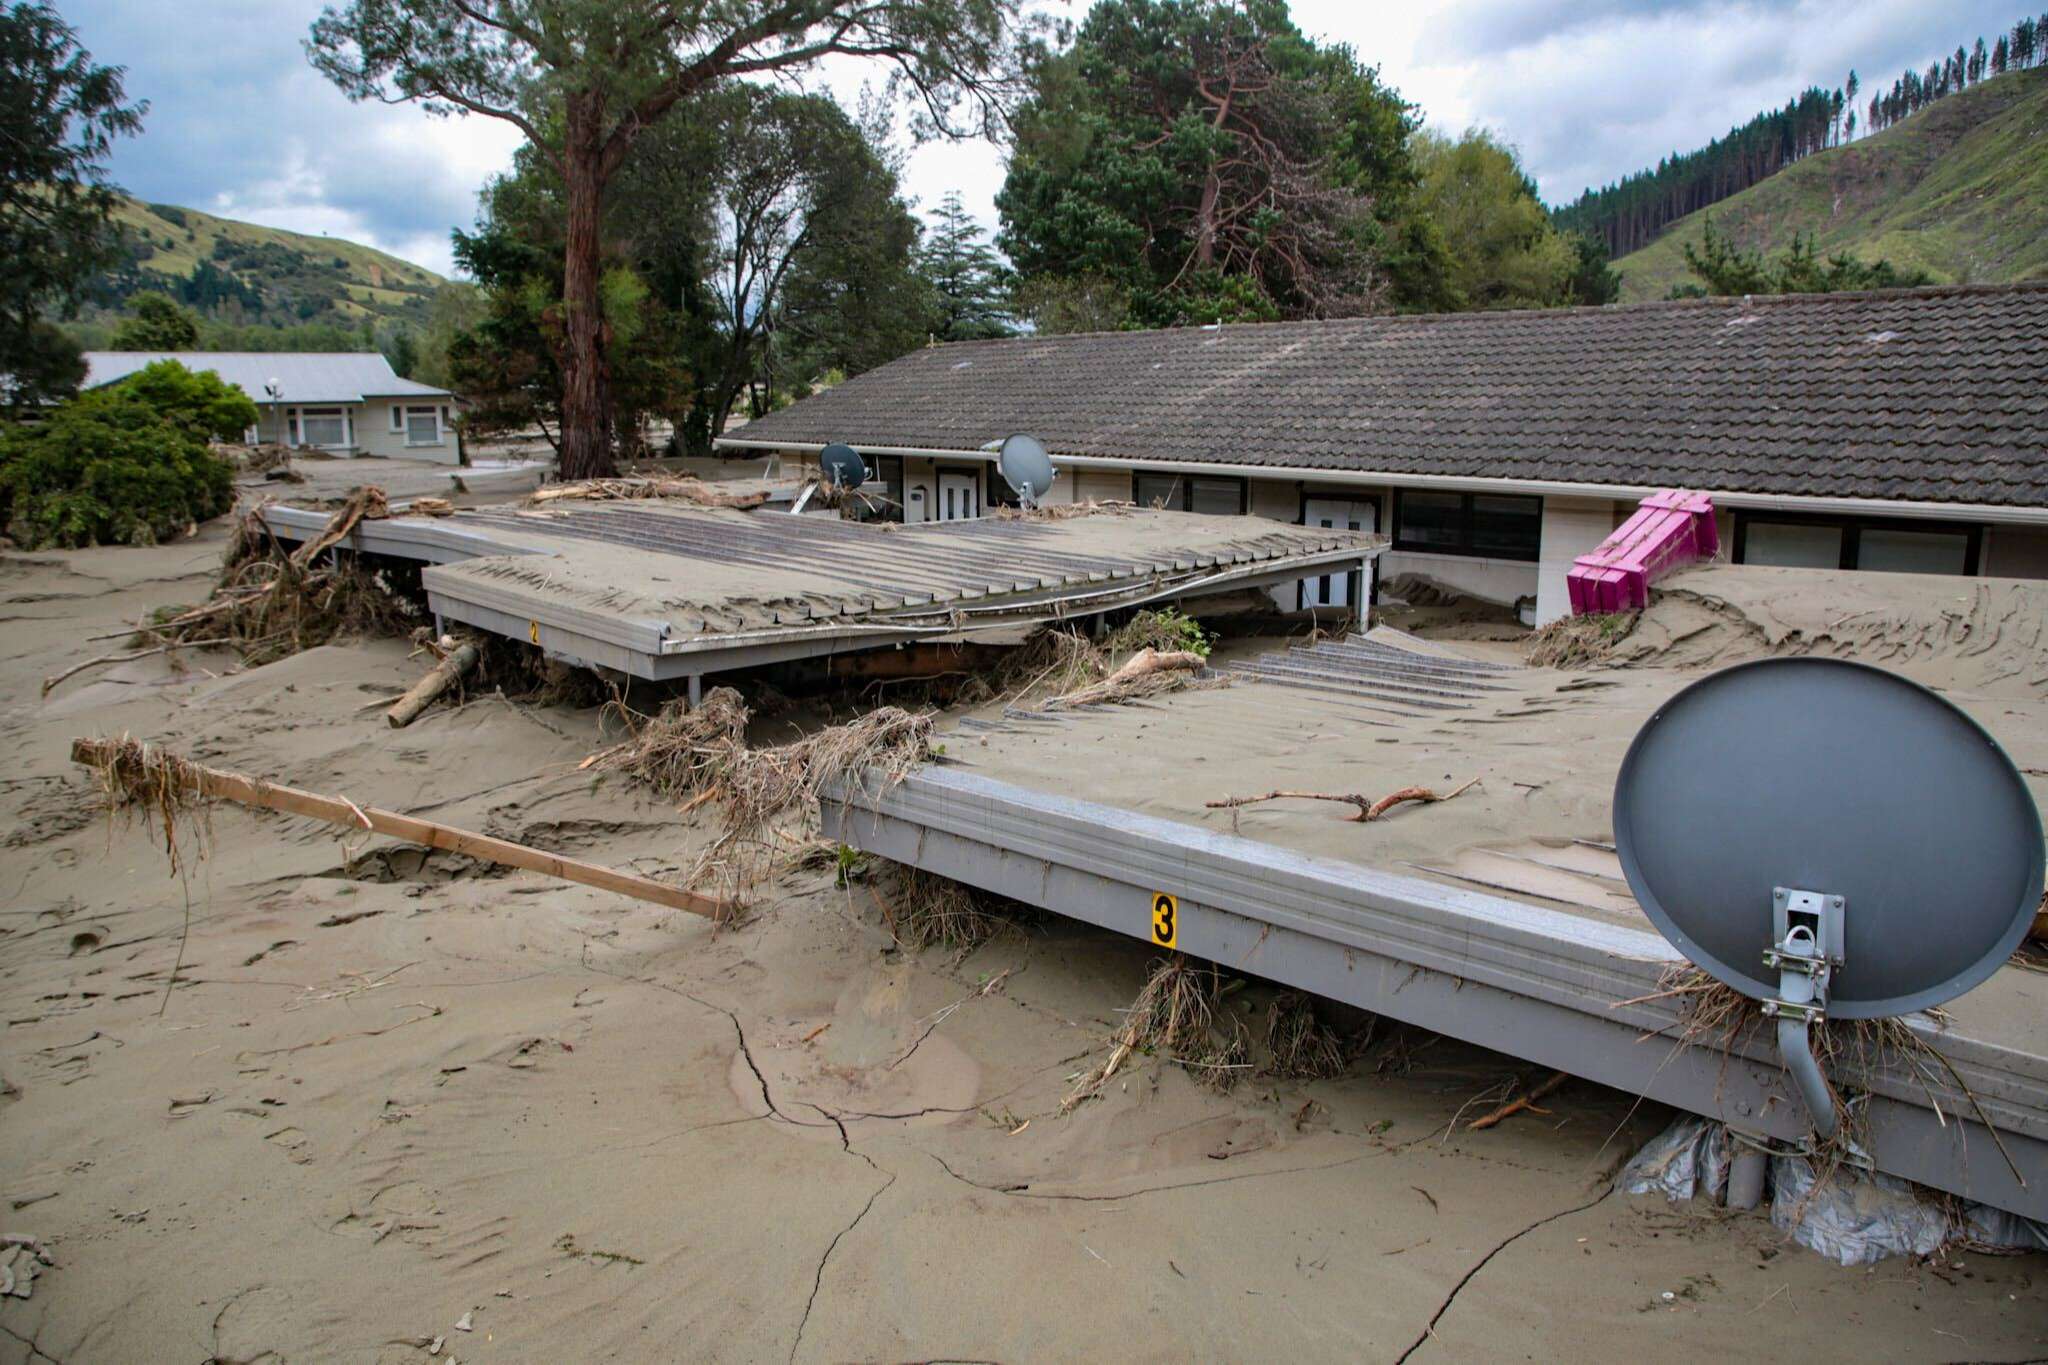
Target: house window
(397,419)
(1207,493)
(321,427)
(1488,525)
(1812,542)
(422,426)
(885,484)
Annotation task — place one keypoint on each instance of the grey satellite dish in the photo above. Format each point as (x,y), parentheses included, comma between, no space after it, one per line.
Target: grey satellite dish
(843,465)
(1025,466)
(1830,839)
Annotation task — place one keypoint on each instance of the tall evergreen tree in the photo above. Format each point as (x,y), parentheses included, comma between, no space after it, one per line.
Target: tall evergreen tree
(970,288)
(584,79)
(1210,162)
(59,117)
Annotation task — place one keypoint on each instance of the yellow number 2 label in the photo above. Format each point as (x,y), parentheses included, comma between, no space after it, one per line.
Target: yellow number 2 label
(1165,920)
(533,631)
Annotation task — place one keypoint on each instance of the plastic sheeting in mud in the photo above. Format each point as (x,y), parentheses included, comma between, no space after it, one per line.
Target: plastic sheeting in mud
(1852,1217)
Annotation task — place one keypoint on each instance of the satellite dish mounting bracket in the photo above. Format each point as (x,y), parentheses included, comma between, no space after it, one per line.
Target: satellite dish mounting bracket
(1809,947)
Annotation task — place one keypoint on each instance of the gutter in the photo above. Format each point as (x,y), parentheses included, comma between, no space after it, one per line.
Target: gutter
(1991,513)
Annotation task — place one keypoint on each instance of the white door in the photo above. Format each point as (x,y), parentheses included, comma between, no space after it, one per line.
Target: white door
(959,497)
(1334,589)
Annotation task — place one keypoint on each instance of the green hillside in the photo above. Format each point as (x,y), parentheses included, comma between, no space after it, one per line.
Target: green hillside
(241,274)
(1959,190)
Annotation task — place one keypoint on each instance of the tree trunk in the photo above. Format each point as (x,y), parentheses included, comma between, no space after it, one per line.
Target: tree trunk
(586,400)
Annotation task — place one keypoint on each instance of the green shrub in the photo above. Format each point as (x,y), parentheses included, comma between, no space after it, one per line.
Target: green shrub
(199,403)
(128,464)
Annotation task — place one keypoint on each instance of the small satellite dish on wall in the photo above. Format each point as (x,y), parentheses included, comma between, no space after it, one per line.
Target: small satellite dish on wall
(1830,839)
(1025,466)
(843,465)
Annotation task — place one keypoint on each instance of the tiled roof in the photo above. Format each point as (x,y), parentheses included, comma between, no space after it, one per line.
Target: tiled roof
(1930,394)
(302,376)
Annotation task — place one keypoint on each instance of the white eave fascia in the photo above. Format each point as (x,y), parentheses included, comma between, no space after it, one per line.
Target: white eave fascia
(1549,488)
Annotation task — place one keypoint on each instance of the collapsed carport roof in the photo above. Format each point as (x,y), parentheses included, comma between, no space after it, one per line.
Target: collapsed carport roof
(661,590)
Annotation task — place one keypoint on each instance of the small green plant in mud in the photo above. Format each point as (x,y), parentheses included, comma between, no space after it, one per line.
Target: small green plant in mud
(851,864)
(1168,630)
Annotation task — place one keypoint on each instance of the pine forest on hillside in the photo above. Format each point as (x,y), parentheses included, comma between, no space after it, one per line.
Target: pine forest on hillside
(1631,213)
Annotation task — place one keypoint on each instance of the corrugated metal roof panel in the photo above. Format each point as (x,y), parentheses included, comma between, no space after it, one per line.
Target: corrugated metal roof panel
(302,376)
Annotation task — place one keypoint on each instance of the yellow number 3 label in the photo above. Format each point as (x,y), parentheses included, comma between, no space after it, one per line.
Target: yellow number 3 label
(1165,920)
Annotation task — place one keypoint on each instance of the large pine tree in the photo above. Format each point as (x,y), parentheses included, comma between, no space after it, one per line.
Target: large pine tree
(969,283)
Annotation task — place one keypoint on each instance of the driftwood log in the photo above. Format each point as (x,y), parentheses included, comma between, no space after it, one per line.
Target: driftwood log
(439,679)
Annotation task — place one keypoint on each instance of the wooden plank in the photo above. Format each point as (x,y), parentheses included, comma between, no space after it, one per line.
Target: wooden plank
(254,791)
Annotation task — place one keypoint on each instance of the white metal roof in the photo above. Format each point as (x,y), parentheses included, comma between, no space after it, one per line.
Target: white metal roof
(302,376)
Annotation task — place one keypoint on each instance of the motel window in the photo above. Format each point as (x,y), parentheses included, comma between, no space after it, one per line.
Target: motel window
(1000,494)
(1487,525)
(1802,542)
(320,427)
(885,482)
(1211,494)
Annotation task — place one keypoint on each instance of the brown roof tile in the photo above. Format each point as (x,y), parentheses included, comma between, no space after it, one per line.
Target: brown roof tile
(1936,395)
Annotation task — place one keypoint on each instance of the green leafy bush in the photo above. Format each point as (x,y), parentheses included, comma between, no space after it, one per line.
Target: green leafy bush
(128,464)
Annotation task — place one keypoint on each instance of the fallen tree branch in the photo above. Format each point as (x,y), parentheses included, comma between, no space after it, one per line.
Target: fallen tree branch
(138,771)
(1516,1106)
(51,682)
(1368,808)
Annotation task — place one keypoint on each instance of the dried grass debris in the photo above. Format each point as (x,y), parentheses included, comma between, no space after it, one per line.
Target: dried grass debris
(1299,1045)
(702,756)
(687,488)
(1065,511)
(1176,1015)
(1580,641)
(924,910)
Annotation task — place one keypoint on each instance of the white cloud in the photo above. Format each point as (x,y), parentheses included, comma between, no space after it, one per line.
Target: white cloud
(1589,90)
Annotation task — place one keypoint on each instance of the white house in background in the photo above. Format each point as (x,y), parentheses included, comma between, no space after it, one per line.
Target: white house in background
(346,403)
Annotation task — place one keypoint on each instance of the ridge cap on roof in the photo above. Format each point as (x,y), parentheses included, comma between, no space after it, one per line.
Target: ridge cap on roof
(1473,315)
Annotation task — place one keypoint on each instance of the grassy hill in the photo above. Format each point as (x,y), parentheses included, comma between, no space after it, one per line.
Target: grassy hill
(238,273)
(1959,190)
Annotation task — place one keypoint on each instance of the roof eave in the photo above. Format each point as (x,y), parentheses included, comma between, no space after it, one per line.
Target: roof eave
(1994,513)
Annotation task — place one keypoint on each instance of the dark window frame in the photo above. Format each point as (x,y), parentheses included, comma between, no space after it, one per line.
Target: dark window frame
(1464,546)
(1183,482)
(1853,527)
(1362,594)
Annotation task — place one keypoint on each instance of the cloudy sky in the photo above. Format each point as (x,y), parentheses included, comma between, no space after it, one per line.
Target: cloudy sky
(1589,90)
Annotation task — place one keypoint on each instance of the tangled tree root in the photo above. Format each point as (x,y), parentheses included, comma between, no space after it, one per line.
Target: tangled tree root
(1580,641)
(1148,673)
(159,785)
(1175,1016)
(269,604)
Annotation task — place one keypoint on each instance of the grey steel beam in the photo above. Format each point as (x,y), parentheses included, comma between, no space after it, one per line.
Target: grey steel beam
(1531,982)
